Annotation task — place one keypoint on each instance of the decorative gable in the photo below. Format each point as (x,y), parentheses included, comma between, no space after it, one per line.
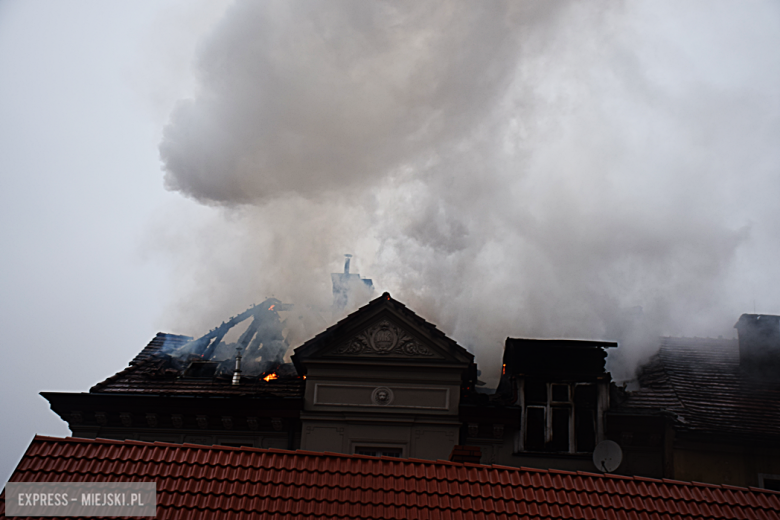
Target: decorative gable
(383,380)
(384,339)
(382,329)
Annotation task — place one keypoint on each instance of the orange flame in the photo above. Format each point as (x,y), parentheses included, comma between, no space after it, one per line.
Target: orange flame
(503,369)
(269,377)
(271,307)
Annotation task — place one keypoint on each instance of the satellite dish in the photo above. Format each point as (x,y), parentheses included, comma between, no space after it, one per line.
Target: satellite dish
(607,456)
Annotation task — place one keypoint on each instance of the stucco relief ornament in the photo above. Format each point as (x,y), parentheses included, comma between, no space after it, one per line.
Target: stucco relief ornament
(382,396)
(382,339)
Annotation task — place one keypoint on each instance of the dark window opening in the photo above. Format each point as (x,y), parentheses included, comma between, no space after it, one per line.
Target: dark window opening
(560,417)
(535,427)
(560,429)
(585,395)
(585,404)
(772,484)
(585,428)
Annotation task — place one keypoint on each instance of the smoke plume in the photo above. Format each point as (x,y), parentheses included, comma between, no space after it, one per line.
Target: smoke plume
(528,169)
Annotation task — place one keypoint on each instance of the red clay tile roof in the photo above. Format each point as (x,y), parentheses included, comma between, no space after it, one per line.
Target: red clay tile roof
(144,376)
(238,483)
(699,383)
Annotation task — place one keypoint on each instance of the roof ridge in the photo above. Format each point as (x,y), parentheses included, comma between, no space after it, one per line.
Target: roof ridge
(307,453)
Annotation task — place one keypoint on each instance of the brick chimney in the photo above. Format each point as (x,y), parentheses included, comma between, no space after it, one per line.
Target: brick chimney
(759,344)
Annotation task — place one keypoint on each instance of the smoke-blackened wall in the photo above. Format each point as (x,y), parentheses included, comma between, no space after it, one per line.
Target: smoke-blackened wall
(526,169)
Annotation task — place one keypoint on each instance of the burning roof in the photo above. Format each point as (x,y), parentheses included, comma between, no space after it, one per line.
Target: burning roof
(173,364)
(149,373)
(261,346)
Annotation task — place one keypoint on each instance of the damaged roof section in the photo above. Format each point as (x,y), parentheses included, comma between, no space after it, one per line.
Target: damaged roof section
(262,344)
(558,357)
(702,386)
(178,365)
(151,374)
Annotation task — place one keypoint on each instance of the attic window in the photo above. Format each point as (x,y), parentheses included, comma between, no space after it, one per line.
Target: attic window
(772,483)
(558,417)
(767,481)
(535,428)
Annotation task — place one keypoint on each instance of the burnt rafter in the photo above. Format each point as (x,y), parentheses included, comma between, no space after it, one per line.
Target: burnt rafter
(207,345)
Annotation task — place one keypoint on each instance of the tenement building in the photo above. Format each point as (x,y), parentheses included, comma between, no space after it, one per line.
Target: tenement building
(385,382)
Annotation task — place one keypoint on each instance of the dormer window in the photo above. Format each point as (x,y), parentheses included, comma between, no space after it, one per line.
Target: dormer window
(558,417)
(562,390)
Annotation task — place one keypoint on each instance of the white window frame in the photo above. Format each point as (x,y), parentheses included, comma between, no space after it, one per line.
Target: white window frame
(522,434)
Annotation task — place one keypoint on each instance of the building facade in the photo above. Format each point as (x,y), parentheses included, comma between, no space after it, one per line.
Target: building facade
(383,381)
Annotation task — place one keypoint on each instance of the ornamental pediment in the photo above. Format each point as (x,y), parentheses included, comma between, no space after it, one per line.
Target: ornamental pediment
(384,339)
(382,329)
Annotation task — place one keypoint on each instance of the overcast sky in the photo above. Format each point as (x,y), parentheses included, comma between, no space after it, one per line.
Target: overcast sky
(80,122)
(608,170)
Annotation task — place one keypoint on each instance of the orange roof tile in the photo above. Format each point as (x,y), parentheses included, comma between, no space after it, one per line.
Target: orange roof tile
(203,481)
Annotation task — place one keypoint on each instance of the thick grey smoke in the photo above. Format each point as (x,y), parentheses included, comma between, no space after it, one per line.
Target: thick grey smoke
(306,98)
(543,169)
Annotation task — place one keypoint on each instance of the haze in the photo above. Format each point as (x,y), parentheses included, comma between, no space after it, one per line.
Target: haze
(605,170)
